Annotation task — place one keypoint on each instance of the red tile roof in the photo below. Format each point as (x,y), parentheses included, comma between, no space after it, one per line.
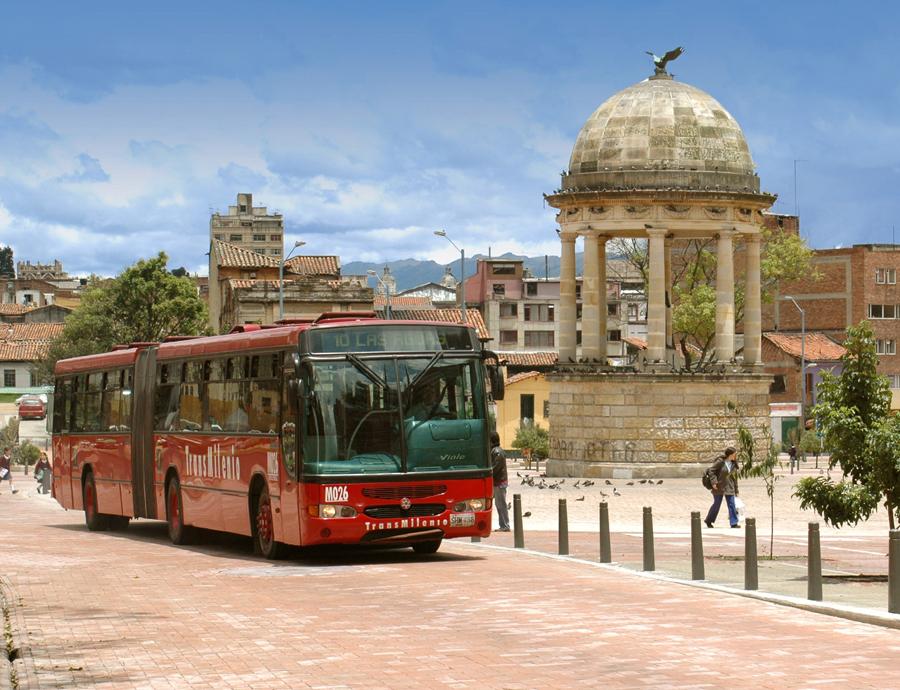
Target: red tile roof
(307,265)
(515,378)
(15,308)
(23,350)
(528,359)
(401,302)
(473,316)
(818,346)
(231,255)
(639,343)
(30,331)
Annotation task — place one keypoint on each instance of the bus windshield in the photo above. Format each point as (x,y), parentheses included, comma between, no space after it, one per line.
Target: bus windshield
(395,415)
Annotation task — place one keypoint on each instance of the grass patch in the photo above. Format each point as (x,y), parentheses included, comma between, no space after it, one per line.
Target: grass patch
(9,397)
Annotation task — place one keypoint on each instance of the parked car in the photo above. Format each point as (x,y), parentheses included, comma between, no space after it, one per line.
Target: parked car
(32,407)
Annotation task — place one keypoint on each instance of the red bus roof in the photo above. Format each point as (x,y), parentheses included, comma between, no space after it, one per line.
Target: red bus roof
(275,337)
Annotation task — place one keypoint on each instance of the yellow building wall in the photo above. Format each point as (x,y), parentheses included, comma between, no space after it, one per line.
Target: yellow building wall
(508,421)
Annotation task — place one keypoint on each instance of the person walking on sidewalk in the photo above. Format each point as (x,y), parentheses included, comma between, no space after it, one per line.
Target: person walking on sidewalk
(42,474)
(725,484)
(6,469)
(498,464)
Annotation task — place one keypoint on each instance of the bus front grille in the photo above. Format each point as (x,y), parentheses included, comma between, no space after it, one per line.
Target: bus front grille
(398,492)
(415,510)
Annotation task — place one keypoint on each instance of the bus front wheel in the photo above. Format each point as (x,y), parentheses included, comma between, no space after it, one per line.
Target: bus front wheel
(95,521)
(178,533)
(264,528)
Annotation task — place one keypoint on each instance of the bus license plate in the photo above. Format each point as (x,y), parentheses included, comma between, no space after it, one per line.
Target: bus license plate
(462,519)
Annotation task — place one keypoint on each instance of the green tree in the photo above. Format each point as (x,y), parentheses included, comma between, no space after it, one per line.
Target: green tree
(7,267)
(811,442)
(853,415)
(145,303)
(9,435)
(27,454)
(533,436)
(760,468)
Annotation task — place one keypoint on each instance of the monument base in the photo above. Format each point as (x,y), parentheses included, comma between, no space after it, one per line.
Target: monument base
(643,425)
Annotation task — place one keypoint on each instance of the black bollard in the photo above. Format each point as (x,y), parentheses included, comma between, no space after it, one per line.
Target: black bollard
(697,570)
(814,564)
(751,569)
(605,550)
(649,558)
(518,531)
(563,528)
(894,572)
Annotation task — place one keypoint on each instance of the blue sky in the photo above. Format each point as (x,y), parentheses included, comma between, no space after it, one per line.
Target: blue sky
(368,125)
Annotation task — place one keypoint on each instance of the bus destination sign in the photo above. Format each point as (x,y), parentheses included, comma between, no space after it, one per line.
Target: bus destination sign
(386,338)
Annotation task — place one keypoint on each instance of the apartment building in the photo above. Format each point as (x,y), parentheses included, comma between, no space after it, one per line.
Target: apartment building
(249,227)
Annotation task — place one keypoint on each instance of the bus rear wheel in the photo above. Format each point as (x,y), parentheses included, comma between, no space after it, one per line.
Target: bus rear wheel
(178,533)
(427,547)
(264,528)
(95,521)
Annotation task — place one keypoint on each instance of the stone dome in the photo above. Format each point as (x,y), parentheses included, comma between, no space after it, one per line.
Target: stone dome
(660,134)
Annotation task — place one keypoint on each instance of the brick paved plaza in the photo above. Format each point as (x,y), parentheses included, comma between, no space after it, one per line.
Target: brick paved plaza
(130,610)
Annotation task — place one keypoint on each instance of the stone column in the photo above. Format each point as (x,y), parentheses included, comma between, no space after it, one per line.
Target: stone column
(601,299)
(752,305)
(656,296)
(590,301)
(670,342)
(725,296)
(567,324)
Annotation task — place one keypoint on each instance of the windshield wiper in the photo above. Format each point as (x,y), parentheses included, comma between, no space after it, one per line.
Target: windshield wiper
(428,367)
(367,371)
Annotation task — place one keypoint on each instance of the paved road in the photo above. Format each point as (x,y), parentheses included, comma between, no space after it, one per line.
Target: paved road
(130,610)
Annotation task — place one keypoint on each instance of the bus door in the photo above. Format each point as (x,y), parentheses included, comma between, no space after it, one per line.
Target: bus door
(142,461)
(289,472)
(62,442)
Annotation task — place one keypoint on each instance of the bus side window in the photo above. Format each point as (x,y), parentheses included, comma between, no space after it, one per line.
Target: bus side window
(61,401)
(168,391)
(125,409)
(289,429)
(75,403)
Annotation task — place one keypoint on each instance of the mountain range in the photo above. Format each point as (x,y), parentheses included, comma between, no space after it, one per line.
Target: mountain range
(412,272)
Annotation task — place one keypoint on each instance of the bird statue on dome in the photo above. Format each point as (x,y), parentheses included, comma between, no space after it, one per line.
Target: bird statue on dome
(660,62)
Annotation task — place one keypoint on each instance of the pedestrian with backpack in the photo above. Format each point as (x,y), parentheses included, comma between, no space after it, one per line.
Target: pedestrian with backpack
(724,483)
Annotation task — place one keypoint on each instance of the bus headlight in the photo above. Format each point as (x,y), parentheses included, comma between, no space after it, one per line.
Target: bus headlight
(329,510)
(472,505)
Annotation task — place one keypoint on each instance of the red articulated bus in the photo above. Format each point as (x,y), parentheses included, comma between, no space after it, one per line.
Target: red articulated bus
(346,430)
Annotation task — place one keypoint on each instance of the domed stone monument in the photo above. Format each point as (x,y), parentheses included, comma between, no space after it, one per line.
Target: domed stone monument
(662,161)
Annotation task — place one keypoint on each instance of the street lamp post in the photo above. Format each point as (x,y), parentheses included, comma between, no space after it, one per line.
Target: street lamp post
(802,368)
(298,243)
(462,274)
(387,294)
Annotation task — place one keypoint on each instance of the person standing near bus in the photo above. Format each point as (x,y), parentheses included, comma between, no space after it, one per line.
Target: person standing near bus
(42,474)
(6,469)
(498,465)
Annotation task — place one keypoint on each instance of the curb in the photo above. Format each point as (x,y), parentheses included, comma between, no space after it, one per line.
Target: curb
(18,673)
(852,613)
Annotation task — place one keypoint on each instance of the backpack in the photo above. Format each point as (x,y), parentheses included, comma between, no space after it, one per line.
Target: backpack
(709,476)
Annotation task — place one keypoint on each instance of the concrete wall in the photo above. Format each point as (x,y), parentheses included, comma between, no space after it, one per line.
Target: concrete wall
(650,425)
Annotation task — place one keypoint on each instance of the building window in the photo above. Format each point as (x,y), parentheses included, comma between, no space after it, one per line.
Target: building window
(578,291)
(886,276)
(633,312)
(546,409)
(578,337)
(612,309)
(499,289)
(9,378)
(243,208)
(235,238)
(882,311)
(777,385)
(526,408)
(614,336)
(274,252)
(508,309)
(274,238)
(531,289)
(886,347)
(219,236)
(577,312)
(894,380)
(503,269)
(538,338)
(509,337)
(539,312)
(259,238)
